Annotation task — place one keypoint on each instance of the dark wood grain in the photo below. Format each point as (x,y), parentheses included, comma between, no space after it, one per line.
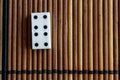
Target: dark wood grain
(75,67)
(9,37)
(65,38)
(85,38)
(24,39)
(19,38)
(60,38)
(14,38)
(49,54)
(54,48)
(34,52)
(95,37)
(115,37)
(105,36)
(44,51)
(29,50)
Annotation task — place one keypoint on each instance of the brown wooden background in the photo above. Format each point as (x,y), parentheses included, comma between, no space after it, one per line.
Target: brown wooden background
(84,39)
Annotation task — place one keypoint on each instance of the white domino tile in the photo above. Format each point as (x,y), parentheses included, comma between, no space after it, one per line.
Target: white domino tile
(41,33)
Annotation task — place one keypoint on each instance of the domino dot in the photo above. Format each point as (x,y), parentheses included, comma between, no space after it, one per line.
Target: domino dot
(36,34)
(45,44)
(45,33)
(35,17)
(45,16)
(35,27)
(45,26)
(36,44)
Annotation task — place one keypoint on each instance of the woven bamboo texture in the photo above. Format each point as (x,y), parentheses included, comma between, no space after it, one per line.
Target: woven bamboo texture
(85,40)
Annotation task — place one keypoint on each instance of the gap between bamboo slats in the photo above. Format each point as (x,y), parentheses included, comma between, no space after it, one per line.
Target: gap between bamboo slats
(115,38)
(29,51)
(39,58)
(60,38)
(9,38)
(90,38)
(80,39)
(24,39)
(75,66)
(100,38)
(14,38)
(105,36)
(85,38)
(1,6)
(19,37)
(54,35)
(70,37)
(65,38)
(49,54)
(34,52)
(95,37)
(110,38)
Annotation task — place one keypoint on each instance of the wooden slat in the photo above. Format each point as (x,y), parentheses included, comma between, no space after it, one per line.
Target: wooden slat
(65,38)
(90,37)
(80,39)
(110,38)
(100,37)
(24,39)
(49,54)
(105,36)
(85,38)
(34,52)
(70,37)
(19,38)
(14,39)
(75,66)
(60,38)
(54,48)
(29,51)
(9,37)
(1,6)
(39,58)
(44,51)
(115,32)
(95,37)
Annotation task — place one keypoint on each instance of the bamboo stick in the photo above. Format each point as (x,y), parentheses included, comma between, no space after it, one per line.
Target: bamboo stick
(70,44)
(39,51)
(60,38)
(49,54)
(115,28)
(14,39)
(34,52)
(45,51)
(29,51)
(54,38)
(19,37)
(95,37)
(65,38)
(110,37)
(24,40)
(90,38)
(1,4)
(100,37)
(75,67)
(80,39)
(9,37)
(105,36)
(85,38)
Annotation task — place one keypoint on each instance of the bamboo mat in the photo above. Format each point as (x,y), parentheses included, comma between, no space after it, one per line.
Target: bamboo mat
(85,40)
(1,12)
